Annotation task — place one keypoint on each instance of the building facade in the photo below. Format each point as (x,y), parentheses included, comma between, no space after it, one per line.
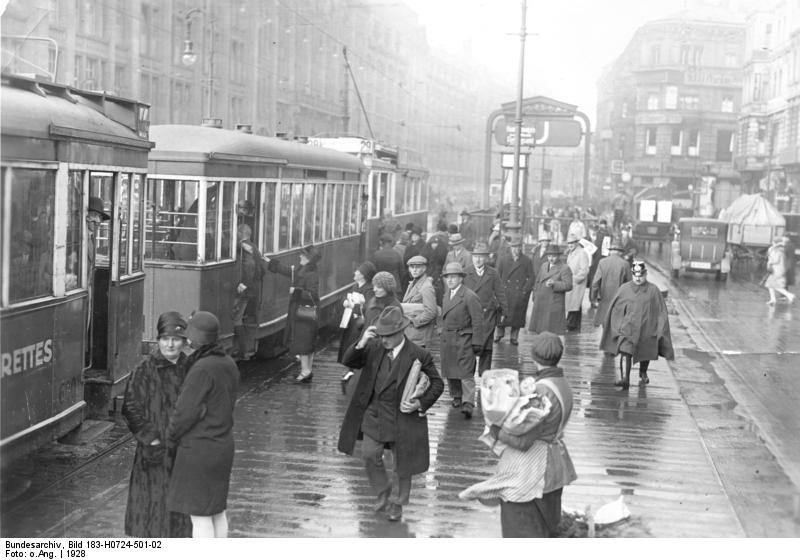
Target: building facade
(668,109)
(280,66)
(768,156)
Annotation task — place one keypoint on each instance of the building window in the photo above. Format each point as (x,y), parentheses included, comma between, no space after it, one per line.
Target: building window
(120,85)
(652,102)
(727,104)
(724,145)
(650,141)
(697,56)
(676,145)
(671,98)
(689,102)
(731,60)
(686,53)
(148,38)
(693,147)
(655,54)
(237,61)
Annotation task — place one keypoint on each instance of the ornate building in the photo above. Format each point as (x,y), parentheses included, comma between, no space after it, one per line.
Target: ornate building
(668,107)
(277,65)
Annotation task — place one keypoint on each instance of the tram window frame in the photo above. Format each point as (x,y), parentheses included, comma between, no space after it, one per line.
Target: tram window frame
(400,206)
(123,220)
(173,226)
(218,220)
(44,268)
(226,244)
(329,205)
(271,217)
(285,215)
(250,191)
(373,210)
(319,211)
(309,200)
(105,190)
(137,224)
(296,229)
(339,211)
(75,276)
(355,193)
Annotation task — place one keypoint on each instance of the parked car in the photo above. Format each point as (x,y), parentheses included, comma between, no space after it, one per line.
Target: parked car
(701,245)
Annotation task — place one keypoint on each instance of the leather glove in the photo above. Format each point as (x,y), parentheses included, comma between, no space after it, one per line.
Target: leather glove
(477,349)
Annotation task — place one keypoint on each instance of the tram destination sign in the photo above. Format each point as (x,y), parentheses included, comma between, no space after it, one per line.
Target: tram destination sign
(557,132)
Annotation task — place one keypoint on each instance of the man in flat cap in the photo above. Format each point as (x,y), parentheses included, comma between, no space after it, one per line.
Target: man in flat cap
(380,418)
(485,282)
(419,303)
(637,326)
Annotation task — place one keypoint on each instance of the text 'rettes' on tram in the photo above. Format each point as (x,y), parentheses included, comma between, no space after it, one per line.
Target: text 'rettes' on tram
(71,298)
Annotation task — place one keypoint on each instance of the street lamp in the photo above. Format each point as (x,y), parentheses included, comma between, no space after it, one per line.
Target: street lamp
(189,56)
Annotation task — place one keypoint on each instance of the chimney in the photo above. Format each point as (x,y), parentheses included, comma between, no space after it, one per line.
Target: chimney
(245,128)
(211,122)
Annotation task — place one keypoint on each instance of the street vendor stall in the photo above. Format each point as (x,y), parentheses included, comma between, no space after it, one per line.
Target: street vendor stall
(752,224)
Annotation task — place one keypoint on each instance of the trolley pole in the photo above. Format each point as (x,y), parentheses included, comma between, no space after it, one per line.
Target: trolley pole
(514,224)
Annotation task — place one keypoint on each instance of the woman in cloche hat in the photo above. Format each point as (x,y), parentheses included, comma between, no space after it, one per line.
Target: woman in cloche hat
(150,396)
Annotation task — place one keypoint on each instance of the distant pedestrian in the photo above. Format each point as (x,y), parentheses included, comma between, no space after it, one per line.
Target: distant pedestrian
(553,281)
(150,396)
(485,282)
(437,255)
(381,419)
(636,327)
(386,259)
(462,337)
(776,272)
(790,252)
(355,305)
(538,256)
(578,262)
(516,277)
(250,265)
(302,324)
(419,303)
(201,430)
(629,248)
(576,227)
(457,252)
(468,230)
(612,272)
(416,246)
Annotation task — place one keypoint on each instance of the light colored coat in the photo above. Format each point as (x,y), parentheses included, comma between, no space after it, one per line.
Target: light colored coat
(776,266)
(423,321)
(578,262)
(612,272)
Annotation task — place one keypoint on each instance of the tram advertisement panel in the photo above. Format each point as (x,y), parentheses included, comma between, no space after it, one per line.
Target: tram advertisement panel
(41,364)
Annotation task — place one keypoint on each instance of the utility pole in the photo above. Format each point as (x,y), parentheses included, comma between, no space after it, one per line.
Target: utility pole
(514,224)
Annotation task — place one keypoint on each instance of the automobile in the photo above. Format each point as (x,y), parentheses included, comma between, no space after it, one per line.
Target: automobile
(700,245)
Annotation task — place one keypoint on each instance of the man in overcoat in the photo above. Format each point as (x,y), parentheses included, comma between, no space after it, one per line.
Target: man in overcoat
(516,277)
(378,416)
(485,282)
(251,267)
(386,259)
(538,257)
(553,281)
(578,262)
(612,272)
(637,326)
(468,230)
(419,303)
(457,252)
(463,333)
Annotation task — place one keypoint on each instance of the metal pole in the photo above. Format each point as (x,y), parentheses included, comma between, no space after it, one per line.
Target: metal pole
(513,219)
(211,22)
(487,159)
(587,151)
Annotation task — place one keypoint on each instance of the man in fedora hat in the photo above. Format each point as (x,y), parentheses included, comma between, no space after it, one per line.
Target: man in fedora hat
(467,230)
(612,272)
(553,280)
(457,252)
(485,282)
(578,262)
(378,416)
(387,259)
(463,336)
(516,276)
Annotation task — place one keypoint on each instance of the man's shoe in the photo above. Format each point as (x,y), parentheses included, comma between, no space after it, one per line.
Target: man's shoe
(395,512)
(382,503)
(643,379)
(466,410)
(456,402)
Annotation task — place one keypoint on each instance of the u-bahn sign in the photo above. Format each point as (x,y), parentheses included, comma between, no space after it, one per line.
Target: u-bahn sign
(556,132)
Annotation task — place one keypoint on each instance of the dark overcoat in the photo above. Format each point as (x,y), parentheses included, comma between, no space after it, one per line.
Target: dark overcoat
(490,292)
(517,279)
(537,260)
(251,267)
(637,323)
(462,323)
(389,260)
(549,307)
(612,272)
(150,395)
(376,305)
(412,448)
(299,334)
(355,326)
(201,427)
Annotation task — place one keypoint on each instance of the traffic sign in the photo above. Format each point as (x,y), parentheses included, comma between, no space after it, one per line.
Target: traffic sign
(617,166)
(556,132)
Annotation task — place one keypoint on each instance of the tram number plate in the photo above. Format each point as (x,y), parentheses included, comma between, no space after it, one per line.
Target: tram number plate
(704,265)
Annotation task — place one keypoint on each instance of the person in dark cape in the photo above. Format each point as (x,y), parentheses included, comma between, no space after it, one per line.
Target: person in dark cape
(636,327)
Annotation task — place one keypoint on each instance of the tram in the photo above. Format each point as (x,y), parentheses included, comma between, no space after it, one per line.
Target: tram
(70,303)
(205,180)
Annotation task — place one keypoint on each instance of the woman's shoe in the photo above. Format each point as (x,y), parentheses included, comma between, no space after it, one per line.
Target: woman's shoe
(643,379)
(304,378)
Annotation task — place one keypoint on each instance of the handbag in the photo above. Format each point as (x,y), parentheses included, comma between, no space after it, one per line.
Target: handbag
(307,313)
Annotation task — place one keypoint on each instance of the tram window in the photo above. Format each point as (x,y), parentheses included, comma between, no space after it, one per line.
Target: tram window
(136,224)
(352,224)
(339,208)
(308,214)
(297,215)
(319,211)
(249,201)
(329,202)
(269,218)
(227,234)
(285,207)
(102,185)
(373,195)
(74,268)
(171,225)
(383,192)
(400,196)
(31,243)
(123,216)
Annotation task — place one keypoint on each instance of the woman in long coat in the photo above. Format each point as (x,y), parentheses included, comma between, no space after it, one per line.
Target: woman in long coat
(553,281)
(384,286)
(776,267)
(301,330)
(578,262)
(150,396)
(419,303)
(201,431)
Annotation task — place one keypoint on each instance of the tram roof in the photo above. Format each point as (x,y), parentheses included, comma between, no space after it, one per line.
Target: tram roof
(44,110)
(176,142)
